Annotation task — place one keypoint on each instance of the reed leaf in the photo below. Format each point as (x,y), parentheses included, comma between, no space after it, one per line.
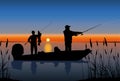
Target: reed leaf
(117,54)
(111,50)
(105,52)
(7,51)
(100,56)
(90,43)
(7,43)
(103,43)
(88,57)
(9,57)
(114,57)
(96,52)
(1,52)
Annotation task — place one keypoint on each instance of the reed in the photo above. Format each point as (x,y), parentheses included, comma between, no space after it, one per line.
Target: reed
(4,66)
(104,64)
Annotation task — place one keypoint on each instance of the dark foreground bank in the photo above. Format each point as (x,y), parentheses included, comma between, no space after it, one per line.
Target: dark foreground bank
(6,79)
(102,79)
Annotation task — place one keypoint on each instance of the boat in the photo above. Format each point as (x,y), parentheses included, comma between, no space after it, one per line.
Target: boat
(55,56)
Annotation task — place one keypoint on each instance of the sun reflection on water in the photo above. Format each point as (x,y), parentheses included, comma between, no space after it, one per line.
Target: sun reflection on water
(48,46)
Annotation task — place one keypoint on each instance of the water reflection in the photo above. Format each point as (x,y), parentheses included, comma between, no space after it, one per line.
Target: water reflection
(33,65)
(67,67)
(17,65)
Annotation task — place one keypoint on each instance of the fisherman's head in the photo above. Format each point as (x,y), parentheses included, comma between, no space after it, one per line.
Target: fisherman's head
(67,27)
(33,32)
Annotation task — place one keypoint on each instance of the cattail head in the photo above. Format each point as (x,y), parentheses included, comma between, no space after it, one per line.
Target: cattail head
(105,41)
(90,43)
(85,46)
(115,44)
(7,43)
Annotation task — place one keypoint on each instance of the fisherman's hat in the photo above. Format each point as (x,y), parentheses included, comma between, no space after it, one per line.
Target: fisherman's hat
(67,26)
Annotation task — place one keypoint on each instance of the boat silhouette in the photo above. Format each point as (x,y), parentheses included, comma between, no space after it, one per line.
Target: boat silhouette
(17,52)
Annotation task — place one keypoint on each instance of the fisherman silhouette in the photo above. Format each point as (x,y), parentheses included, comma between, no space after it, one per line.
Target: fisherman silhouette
(68,37)
(33,41)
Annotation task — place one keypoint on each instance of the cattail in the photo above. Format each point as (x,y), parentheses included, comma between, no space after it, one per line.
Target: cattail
(90,43)
(97,43)
(7,43)
(115,44)
(85,46)
(105,41)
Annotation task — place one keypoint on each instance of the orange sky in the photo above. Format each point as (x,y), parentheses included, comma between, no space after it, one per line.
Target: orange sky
(60,37)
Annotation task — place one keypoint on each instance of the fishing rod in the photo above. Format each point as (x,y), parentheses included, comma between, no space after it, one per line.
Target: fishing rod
(46,26)
(92,28)
(41,29)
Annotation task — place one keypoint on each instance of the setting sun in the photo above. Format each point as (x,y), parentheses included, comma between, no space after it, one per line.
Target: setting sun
(47,39)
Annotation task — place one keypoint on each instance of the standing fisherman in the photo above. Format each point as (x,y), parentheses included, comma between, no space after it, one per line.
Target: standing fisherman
(68,37)
(33,41)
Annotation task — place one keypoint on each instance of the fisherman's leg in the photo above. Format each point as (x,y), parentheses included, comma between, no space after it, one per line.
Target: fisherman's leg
(36,49)
(32,49)
(70,47)
(66,48)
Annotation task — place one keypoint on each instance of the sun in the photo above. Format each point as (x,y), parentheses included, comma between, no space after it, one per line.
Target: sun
(47,39)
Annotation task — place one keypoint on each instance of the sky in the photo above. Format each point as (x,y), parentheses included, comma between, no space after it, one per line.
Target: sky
(50,16)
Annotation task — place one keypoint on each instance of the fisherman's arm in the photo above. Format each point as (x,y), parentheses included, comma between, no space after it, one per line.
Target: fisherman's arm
(75,33)
(80,33)
(29,39)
